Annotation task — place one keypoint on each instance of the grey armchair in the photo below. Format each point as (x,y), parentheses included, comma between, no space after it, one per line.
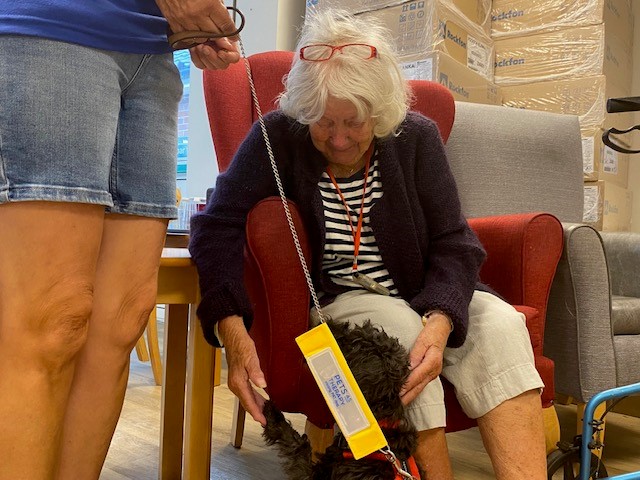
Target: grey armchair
(531,161)
(623,258)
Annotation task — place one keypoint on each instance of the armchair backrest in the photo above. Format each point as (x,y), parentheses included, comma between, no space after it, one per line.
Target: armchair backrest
(509,160)
(231,110)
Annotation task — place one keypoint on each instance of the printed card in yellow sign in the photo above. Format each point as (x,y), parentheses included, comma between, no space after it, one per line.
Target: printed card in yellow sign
(341,391)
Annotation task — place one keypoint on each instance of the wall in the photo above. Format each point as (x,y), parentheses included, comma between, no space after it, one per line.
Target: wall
(634,164)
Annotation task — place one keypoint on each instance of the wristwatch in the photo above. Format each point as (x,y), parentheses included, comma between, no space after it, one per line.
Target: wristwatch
(425,317)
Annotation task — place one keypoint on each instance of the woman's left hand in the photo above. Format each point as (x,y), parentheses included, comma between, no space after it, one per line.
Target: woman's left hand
(426,356)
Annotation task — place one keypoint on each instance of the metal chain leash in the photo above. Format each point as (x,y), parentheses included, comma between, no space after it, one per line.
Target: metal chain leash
(386,450)
(276,174)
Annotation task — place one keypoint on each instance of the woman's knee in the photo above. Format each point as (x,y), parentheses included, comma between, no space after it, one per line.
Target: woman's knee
(50,328)
(132,317)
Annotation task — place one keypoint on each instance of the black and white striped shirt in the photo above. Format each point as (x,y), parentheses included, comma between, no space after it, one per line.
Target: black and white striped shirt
(338,253)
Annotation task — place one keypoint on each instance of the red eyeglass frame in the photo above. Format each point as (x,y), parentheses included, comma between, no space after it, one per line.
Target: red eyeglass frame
(334,48)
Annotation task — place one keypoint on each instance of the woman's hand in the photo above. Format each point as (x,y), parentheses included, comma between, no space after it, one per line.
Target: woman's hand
(244,366)
(426,356)
(206,16)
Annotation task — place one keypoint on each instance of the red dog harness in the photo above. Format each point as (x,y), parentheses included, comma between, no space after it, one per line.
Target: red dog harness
(409,465)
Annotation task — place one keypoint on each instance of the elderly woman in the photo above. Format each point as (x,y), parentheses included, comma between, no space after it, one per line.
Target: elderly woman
(373,185)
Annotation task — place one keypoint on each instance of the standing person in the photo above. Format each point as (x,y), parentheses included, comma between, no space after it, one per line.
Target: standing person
(88,113)
(375,191)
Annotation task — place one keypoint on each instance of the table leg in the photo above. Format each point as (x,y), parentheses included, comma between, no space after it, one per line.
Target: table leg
(199,407)
(173,389)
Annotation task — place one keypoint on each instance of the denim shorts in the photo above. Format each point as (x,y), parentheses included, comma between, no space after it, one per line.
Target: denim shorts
(83,125)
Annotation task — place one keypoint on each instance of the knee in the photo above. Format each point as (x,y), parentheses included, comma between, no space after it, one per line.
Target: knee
(502,326)
(132,317)
(56,324)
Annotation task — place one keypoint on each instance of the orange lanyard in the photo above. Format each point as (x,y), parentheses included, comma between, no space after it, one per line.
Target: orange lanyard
(355,232)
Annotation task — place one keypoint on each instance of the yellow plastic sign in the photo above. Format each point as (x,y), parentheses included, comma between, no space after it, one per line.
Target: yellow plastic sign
(341,391)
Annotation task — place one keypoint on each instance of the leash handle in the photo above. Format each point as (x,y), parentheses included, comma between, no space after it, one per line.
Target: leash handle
(190,38)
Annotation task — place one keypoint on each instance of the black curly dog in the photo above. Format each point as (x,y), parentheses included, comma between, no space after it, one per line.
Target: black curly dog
(380,365)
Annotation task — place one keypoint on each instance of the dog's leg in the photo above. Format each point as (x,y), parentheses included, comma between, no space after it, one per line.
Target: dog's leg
(295,450)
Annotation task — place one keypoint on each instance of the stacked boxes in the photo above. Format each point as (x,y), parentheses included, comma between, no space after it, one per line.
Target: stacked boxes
(440,40)
(569,56)
(477,11)
(465,84)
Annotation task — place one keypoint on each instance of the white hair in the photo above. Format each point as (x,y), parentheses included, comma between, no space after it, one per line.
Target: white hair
(375,86)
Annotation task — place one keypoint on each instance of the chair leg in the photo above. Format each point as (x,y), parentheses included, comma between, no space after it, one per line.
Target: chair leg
(237,427)
(320,438)
(551,428)
(154,348)
(141,349)
(561,399)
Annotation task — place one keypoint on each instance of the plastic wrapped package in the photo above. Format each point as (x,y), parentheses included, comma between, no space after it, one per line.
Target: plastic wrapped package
(526,17)
(601,162)
(465,84)
(477,11)
(584,97)
(592,213)
(607,207)
(351,6)
(423,27)
(556,55)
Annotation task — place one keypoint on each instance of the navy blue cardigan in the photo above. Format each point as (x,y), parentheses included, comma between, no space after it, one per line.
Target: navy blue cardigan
(426,244)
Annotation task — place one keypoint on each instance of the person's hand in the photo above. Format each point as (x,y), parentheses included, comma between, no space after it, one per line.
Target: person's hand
(426,356)
(244,366)
(206,16)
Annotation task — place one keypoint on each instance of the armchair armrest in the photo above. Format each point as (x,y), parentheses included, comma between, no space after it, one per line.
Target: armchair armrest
(522,253)
(578,335)
(279,295)
(623,257)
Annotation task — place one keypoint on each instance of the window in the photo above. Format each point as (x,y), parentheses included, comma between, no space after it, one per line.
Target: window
(182,60)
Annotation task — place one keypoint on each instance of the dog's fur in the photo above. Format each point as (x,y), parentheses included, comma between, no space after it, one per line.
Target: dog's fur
(381,366)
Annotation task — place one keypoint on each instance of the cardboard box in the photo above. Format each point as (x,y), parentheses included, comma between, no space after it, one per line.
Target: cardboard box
(422,27)
(619,20)
(607,206)
(601,162)
(563,54)
(527,17)
(477,11)
(618,62)
(465,84)
(351,6)
(584,97)
(556,55)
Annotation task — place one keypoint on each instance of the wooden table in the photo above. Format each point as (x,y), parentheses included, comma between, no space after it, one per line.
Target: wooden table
(190,366)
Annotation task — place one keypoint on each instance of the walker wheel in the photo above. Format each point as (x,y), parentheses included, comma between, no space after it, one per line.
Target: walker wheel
(565,465)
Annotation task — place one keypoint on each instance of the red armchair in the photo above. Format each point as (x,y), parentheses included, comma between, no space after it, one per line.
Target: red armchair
(523,249)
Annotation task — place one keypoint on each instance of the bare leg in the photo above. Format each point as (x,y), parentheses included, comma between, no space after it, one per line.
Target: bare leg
(513,436)
(432,454)
(125,292)
(48,255)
